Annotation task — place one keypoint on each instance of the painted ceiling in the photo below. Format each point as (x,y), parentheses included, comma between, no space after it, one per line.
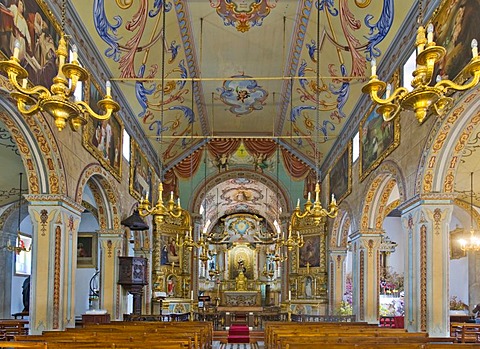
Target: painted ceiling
(194,70)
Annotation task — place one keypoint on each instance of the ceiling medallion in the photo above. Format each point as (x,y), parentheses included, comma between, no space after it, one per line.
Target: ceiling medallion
(243,14)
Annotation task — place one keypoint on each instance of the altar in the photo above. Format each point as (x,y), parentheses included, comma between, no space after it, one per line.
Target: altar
(240,298)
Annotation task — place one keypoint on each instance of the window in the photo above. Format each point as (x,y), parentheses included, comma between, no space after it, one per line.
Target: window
(356,147)
(408,68)
(126,145)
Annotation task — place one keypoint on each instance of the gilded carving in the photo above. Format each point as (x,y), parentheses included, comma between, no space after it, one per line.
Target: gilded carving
(56,281)
(362,285)
(423,278)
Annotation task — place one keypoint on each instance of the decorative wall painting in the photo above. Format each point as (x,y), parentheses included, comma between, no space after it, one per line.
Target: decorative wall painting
(378,138)
(141,174)
(104,138)
(340,175)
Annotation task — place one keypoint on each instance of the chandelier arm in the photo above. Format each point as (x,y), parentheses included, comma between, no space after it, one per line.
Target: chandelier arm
(39,90)
(397,94)
(109,105)
(26,108)
(448,84)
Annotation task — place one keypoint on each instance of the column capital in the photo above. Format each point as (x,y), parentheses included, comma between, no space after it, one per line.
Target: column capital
(110,233)
(427,199)
(54,200)
(366,233)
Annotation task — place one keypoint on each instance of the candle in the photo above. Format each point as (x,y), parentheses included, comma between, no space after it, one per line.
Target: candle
(74,54)
(108,88)
(16,49)
(24,83)
(474,48)
(309,196)
(430,33)
(298,203)
(374,66)
(389,90)
(191,295)
(289,295)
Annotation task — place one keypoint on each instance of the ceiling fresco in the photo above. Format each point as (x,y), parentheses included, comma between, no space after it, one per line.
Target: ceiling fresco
(194,70)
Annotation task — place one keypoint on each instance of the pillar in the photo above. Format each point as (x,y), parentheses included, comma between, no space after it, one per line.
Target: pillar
(426,223)
(55,220)
(366,274)
(337,279)
(6,273)
(112,296)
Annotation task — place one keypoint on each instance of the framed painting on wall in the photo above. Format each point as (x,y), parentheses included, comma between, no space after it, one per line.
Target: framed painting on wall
(378,138)
(340,175)
(104,138)
(87,250)
(141,173)
(32,24)
(310,252)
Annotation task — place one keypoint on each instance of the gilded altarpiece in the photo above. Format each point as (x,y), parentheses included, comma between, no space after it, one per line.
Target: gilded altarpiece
(308,277)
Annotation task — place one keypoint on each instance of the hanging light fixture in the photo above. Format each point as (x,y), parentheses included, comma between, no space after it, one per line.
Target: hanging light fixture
(58,101)
(172,209)
(20,244)
(472,244)
(428,90)
(314,210)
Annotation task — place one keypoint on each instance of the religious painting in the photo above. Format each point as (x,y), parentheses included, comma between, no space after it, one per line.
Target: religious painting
(87,250)
(456,251)
(104,138)
(310,252)
(378,138)
(141,174)
(241,258)
(170,254)
(454,29)
(31,25)
(340,175)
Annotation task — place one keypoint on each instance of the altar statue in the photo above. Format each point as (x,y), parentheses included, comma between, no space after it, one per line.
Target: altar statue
(241,282)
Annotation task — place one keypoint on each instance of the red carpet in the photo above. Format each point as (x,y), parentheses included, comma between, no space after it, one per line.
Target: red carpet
(238,334)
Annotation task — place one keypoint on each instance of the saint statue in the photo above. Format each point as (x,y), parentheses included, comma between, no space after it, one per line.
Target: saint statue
(241,282)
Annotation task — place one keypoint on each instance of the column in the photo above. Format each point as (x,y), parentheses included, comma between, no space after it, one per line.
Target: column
(55,220)
(426,223)
(112,297)
(337,279)
(366,274)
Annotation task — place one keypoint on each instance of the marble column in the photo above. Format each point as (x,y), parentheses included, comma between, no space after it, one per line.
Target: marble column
(112,297)
(337,279)
(426,223)
(55,220)
(366,277)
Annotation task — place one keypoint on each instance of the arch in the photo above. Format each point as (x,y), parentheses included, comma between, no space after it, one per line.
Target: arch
(445,145)
(38,150)
(375,205)
(340,229)
(105,194)
(214,180)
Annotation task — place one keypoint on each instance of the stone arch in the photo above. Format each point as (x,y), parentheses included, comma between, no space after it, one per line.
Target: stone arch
(445,146)
(340,229)
(375,205)
(38,150)
(105,194)
(215,179)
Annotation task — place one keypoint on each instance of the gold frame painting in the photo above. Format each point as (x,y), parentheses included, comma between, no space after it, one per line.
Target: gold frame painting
(340,175)
(87,250)
(310,252)
(103,138)
(141,173)
(378,139)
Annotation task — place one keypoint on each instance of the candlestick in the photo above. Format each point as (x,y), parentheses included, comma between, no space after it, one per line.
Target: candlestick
(74,53)
(289,295)
(474,48)
(191,295)
(430,33)
(374,66)
(16,49)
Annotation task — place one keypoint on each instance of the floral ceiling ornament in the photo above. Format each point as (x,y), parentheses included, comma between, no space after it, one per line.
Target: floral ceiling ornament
(243,15)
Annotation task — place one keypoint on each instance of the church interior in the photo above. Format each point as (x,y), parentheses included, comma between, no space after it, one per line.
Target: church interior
(239,174)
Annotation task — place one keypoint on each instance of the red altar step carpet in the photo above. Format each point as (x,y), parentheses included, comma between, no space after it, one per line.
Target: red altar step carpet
(238,334)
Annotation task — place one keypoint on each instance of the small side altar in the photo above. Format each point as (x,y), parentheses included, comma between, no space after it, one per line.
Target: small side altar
(240,298)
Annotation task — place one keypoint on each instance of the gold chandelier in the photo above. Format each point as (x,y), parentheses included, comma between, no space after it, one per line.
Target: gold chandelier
(314,210)
(426,92)
(160,211)
(472,244)
(58,101)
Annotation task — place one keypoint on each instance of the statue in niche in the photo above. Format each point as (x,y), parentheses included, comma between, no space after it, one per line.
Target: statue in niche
(241,282)
(308,287)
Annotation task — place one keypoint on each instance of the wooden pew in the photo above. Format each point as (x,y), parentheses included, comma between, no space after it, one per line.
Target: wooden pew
(13,327)
(10,344)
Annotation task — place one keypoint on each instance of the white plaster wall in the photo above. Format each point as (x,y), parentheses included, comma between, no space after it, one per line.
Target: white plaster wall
(393,229)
